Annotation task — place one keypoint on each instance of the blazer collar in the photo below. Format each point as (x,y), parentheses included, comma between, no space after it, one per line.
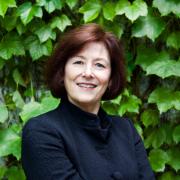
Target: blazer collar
(86,119)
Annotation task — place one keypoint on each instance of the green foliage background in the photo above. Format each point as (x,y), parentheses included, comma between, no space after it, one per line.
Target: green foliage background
(150,32)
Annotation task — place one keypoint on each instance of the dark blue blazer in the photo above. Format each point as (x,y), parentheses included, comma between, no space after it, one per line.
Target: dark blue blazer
(70,144)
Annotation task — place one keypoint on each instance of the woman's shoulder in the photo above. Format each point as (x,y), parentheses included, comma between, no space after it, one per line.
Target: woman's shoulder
(123,124)
(44,122)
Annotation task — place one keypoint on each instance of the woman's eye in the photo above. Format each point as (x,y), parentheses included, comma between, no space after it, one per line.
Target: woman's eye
(78,62)
(99,65)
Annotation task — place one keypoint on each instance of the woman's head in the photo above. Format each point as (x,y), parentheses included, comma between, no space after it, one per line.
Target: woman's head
(72,44)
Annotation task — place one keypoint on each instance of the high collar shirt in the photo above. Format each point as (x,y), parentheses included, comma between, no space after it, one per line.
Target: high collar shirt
(71,144)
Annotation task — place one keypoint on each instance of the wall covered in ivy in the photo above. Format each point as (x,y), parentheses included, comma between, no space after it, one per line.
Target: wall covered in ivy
(150,33)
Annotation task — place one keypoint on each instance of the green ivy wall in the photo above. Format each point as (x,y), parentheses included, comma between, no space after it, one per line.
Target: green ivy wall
(150,32)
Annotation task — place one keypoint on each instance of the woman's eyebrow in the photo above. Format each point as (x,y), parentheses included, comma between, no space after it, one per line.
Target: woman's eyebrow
(96,59)
(99,59)
(79,56)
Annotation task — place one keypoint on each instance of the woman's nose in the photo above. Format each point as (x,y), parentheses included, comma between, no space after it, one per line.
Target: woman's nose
(88,72)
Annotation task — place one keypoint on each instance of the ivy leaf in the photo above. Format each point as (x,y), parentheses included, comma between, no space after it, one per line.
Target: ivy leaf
(33,109)
(35,25)
(2,63)
(10,143)
(49,103)
(169,131)
(139,129)
(136,9)
(37,49)
(3,170)
(157,96)
(176,134)
(150,26)
(157,63)
(176,101)
(71,3)
(4,5)
(121,6)
(165,99)
(117,100)
(109,11)
(3,113)
(91,10)
(164,69)
(30,110)
(15,173)
(18,100)
(44,33)
(131,11)
(168,176)
(18,78)
(9,22)
(165,7)
(174,158)
(109,107)
(11,45)
(147,56)
(60,22)
(50,5)
(27,11)
(20,27)
(17,128)
(129,104)
(126,93)
(150,117)
(158,158)
(156,138)
(115,28)
(173,40)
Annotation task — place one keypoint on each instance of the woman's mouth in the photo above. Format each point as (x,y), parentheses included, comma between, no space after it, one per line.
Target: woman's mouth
(86,85)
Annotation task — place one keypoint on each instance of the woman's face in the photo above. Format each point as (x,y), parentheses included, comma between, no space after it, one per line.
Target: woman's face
(87,75)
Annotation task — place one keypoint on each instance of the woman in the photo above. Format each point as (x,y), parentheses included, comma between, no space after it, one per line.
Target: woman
(78,140)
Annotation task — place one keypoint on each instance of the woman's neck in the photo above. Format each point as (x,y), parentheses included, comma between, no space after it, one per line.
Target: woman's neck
(91,108)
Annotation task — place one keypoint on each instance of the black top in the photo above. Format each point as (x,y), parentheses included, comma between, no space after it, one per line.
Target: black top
(71,144)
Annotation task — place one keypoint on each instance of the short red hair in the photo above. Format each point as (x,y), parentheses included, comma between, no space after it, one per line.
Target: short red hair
(71,44)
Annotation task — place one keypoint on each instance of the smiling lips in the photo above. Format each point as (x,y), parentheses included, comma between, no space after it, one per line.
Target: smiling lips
(86,85)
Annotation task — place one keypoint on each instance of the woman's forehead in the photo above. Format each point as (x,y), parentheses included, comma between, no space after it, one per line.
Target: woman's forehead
(94,49)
